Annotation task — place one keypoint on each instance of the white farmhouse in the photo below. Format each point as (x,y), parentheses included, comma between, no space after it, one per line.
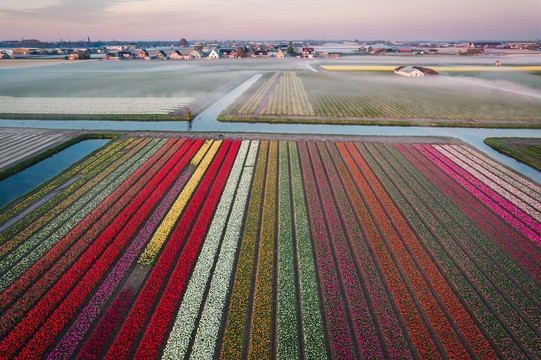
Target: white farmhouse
(414,71)
(214,54)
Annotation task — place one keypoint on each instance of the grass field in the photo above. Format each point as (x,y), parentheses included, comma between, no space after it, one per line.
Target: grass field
(345,97)
(525,150)
(173,247)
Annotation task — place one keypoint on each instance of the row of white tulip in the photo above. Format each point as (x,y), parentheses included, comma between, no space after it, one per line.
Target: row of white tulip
(185,322)
(527,187)
(69,105)
(509,192)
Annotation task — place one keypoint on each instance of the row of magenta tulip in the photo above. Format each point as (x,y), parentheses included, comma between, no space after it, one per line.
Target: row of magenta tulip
(185,242)
(485,269)
(441,235)
(499,205)
(85,273)
(96,342)
(336,319)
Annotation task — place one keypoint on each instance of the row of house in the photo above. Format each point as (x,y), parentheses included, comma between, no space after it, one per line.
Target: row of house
(170,54)
(198,54)
(225,52)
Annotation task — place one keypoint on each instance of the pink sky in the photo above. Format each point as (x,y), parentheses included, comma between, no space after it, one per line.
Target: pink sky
(264,19)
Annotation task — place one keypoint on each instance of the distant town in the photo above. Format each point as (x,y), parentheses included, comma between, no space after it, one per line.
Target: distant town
(186,50)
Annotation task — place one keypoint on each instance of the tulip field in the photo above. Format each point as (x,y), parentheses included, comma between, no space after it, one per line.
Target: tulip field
(353,97)
(169,247)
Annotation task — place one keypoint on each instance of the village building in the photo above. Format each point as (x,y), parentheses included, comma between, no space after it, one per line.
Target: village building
(261,54)
(414,71)
(197,54)
(229,53)
(173,54)
(143,54)
(280,54)
(214,54)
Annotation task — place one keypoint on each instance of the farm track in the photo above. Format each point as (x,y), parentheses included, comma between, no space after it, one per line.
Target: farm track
(264,248)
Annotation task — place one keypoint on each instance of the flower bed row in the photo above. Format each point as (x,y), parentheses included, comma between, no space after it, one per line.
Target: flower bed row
(185,322)
(142,307)
(103,330)
(262,312)
(232,340)
(287,342)
(90,227)
(83,322)
(111,152)
(119,232)
(312,322)
(35,221)
(335,311)
(161,234)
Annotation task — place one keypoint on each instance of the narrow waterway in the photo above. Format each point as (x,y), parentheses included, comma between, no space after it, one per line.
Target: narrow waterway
(26,180)
(206,122)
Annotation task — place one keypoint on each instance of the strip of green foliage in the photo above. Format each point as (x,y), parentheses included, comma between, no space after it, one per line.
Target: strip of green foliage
(377,122)
(529,154)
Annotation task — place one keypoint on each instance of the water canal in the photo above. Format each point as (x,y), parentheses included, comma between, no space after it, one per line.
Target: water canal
(27,179)
(206,122)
